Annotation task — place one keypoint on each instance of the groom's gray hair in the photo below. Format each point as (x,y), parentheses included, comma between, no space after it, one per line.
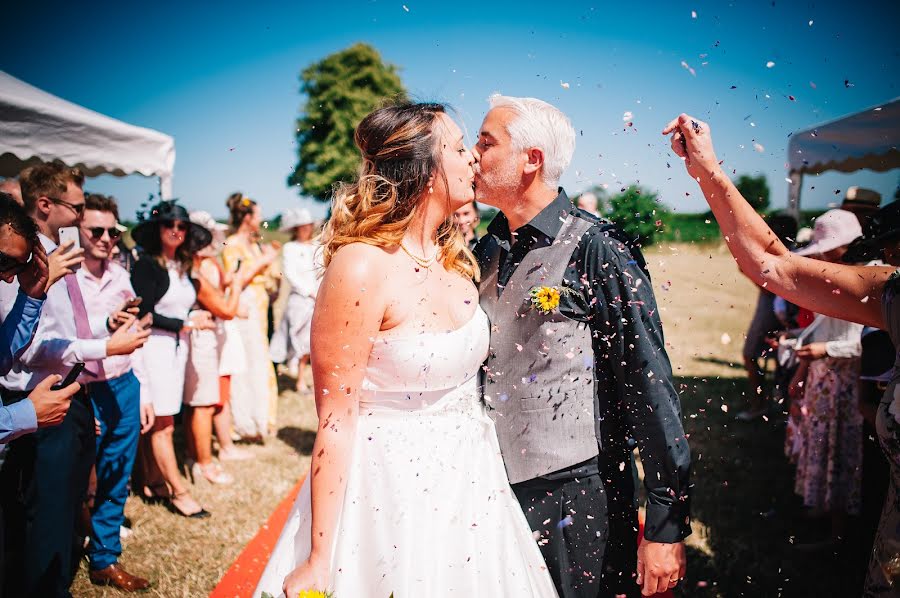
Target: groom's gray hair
(539,124)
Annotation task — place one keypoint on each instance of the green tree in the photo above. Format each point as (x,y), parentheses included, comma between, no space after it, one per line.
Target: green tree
(638,213)
(755,190)
(340,90)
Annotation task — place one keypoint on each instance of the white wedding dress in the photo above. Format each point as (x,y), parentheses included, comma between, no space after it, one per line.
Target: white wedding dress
(428,510)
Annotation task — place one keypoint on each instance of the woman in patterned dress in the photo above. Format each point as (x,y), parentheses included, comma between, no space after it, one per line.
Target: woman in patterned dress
(868,295)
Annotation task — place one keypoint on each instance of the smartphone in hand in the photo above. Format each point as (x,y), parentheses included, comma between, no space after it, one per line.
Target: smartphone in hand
(70,233)
(70,377)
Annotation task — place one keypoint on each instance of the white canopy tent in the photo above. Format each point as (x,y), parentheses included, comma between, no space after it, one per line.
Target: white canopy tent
(36,126)
(867,139)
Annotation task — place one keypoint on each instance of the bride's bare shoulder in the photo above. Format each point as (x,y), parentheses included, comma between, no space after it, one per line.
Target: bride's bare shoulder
(360,261)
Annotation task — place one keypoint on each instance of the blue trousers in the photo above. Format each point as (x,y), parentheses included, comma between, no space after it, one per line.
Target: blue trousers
(117,405)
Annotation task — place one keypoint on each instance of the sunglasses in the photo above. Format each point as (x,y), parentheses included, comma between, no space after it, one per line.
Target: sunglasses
(175,224)
(77,208)
(97,233)
(10,265)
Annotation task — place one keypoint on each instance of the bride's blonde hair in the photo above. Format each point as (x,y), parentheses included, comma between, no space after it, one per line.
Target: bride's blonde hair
(399,154)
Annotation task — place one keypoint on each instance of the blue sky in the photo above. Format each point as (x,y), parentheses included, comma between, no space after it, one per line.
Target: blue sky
(223,79)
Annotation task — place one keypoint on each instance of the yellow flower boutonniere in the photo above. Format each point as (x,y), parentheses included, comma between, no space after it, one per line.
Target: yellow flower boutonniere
(546,299)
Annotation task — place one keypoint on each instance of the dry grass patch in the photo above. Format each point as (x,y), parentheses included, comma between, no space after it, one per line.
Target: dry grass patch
(185,557)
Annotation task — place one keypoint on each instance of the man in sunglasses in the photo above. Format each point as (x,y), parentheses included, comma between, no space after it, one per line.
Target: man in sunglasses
(22,258)
(44,478)
(115,391)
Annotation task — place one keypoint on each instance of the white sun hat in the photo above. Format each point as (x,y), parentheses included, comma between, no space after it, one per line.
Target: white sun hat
(206,220)
(295,217)
(833,229)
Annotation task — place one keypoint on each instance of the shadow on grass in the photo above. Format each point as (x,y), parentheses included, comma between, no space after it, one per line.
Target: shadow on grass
(285,382)
(298,439)
(743,497)
(731,364)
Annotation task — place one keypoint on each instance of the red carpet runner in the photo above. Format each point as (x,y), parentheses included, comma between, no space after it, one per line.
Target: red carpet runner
(241,578)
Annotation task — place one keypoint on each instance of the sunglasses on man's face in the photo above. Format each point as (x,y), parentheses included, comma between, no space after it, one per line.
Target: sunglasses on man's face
(77,208)
(175,224)
(97,233)
(10,265)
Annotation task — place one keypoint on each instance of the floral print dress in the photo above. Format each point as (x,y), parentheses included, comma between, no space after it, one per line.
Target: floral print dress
(884,569)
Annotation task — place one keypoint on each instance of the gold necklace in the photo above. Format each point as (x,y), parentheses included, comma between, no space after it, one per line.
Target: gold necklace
(424,262)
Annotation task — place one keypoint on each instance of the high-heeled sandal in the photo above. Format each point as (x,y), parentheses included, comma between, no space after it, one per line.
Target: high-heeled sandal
(212,472)
(151,497)
(201,514)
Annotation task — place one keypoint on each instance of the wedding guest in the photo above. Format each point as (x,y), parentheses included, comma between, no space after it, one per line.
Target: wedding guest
(12,188)
(254,392)
(114,391)
(587,201)
(828,451)
(301,264)
(862,202)
(868,295)
(161,277)
(18,241)
(468,218)
(764,323)
(205,394)
(45,474)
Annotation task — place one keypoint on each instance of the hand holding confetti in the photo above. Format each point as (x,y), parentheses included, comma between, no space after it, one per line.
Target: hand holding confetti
(692,141)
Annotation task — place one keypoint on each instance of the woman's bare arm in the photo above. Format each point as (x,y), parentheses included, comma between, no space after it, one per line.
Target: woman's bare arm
(842,291)
(347,318)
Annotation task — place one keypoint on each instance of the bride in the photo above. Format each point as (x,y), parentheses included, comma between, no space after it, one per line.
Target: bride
(407,493)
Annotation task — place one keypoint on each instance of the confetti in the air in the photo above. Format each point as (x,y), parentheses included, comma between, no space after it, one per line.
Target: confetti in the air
(758,147)
(726,338)
(564,85)
(770,64)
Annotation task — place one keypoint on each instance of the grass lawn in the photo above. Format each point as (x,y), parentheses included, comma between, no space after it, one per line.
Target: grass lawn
(742,501)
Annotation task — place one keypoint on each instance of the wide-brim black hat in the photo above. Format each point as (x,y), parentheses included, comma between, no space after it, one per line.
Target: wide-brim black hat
(883,228)
(196,238)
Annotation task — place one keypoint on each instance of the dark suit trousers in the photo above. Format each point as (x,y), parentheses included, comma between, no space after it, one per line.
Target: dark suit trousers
(42,487)
(588,533)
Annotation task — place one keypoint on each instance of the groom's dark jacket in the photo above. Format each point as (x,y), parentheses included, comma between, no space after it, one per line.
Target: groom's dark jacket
(635,399)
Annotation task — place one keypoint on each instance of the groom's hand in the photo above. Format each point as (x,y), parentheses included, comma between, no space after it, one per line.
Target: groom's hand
(660,566)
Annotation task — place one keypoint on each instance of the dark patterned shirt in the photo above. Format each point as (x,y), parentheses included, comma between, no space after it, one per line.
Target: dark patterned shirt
(635,398)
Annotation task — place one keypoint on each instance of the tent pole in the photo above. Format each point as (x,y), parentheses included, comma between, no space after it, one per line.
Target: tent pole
(794,194)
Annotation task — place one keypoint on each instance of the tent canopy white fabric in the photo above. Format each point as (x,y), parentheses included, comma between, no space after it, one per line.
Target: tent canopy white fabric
(36,126)
(867,139)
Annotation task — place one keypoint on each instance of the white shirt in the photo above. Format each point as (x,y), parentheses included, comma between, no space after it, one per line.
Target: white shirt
(56,346)
(302,263)
(101,298)
(841,338)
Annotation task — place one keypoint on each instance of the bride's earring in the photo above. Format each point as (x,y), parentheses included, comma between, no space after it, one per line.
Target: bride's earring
(431,189)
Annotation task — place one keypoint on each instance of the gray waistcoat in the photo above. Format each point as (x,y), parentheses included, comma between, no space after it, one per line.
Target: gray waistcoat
(539,383)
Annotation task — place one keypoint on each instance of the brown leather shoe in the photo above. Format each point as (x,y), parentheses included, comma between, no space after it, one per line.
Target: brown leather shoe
(116,576)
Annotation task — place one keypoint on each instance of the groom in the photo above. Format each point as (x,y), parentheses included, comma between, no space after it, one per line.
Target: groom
(577,372)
